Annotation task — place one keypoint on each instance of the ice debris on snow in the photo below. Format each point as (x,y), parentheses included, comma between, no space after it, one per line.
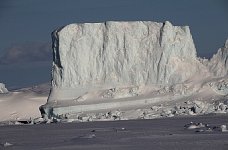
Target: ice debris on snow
(179,109)
(6,144)
(201,127)
(193,125)
(223,128)
(120,92)
(155,111)
(220,87)
(87,136)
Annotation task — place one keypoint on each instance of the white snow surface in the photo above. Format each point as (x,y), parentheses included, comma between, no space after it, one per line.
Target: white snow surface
(23,104)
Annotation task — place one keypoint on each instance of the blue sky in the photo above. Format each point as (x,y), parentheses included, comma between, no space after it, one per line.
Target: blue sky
(25,27)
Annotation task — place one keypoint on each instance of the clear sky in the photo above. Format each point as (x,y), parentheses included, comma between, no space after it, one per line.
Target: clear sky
(25,27)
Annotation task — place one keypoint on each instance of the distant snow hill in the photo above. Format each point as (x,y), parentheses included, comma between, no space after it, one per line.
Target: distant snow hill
(22,104)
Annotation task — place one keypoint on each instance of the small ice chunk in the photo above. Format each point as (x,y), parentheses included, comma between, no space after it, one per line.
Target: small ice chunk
(223,128)
(3,89)
(6,144)
(88,136)
(193,125)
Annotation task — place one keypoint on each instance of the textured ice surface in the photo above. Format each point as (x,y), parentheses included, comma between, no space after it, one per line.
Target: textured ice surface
(120,54)
(219,62)
(3,88)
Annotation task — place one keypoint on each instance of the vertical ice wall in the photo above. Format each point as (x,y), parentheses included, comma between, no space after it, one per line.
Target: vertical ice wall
(88,56)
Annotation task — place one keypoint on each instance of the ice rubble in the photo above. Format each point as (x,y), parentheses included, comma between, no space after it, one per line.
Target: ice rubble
(201,127)
(3,89)
(102,67)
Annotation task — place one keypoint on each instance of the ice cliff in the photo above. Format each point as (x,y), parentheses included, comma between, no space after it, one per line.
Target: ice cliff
(3,88)
(91,56)
(218,64)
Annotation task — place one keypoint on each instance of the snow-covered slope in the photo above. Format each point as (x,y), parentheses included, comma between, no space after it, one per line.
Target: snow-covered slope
(89,56)
(23,104)
(3,89)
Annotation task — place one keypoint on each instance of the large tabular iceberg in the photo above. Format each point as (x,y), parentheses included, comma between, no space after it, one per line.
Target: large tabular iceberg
(105,55)
(102,65)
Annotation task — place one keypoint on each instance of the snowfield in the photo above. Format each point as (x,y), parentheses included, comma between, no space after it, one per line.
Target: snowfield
(23,104)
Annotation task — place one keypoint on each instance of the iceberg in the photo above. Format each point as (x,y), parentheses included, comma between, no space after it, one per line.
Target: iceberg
(3,89)
(118,64)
